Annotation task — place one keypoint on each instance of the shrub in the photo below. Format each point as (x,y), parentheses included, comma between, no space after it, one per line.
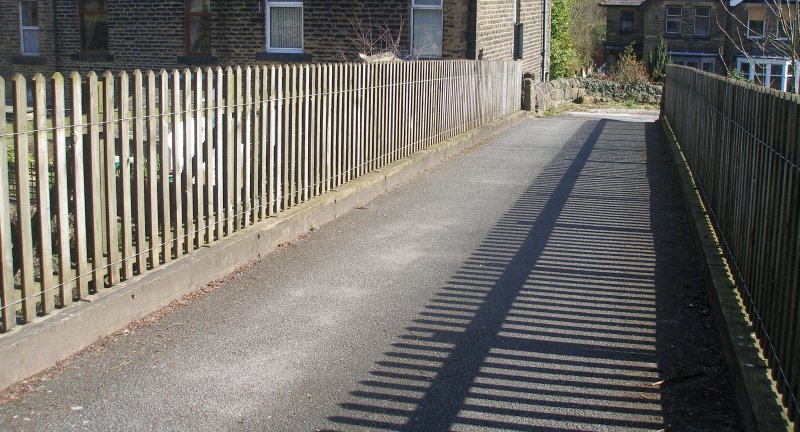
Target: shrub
(629,69)
(659,59)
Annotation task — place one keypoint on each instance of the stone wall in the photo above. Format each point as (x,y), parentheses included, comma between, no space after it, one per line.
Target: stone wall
(539,97)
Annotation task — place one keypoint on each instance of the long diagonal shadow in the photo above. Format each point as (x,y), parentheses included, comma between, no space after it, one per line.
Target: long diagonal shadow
(550,324)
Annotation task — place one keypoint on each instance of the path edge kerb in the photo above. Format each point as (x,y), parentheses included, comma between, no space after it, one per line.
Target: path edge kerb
(30,349)
(756,396)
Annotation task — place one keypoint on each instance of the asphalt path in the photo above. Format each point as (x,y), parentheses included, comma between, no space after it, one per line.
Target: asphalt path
(544,280)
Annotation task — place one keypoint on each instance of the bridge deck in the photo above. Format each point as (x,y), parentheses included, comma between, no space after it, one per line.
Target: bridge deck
(542,281)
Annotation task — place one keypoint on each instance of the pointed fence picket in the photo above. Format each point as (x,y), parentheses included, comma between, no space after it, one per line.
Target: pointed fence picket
(115,175)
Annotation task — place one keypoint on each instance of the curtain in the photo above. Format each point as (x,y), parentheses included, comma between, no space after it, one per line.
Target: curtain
(286,27)
(427,29)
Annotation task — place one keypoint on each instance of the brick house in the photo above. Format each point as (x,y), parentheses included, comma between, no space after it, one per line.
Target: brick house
(693,32)
(66,35)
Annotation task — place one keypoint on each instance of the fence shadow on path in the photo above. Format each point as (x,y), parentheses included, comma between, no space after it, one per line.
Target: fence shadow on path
(551,323)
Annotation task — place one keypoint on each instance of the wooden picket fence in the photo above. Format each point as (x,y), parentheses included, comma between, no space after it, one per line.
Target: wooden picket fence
(742,143)
(116,175)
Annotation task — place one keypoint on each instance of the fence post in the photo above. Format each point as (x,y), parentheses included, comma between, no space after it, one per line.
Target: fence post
(9,316)
(62,191)
(152,169)
(125,174)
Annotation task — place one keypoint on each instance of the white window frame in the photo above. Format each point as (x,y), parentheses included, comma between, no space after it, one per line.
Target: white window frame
(767,63)
(668,18)
(706,17)
(440,7)
(22,29)
(285,4)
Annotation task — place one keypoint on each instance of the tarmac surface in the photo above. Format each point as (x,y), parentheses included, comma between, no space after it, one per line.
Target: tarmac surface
(545,280)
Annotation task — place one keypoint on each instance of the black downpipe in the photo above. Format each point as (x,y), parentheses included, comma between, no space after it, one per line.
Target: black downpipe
(472,30)
(545,73)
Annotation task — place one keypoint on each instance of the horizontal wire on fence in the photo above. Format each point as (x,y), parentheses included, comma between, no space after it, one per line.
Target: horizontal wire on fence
(271,99)
(253,207)
(750,134)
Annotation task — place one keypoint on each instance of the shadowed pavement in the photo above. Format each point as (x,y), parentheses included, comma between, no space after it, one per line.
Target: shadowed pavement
(544,280)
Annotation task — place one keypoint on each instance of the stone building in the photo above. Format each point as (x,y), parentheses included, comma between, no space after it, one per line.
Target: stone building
(708,35)
(82,35)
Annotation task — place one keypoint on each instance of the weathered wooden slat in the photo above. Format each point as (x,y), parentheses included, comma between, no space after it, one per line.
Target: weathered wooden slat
(274,124)
(124,168)
(286,136)
(110,217)
(152,212)
(167,144)
(178,147)
(8,305)
(256,156)
(61,183)
(247,147)
(200,163)
(230,149)
(47,291)
(96,181)
(305,123)
(219,160)
(209,155)
(190,141)
(140,167)
(294,135)
(79,187)
(25,229)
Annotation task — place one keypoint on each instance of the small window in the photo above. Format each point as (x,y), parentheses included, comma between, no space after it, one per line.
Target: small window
(755,24)
(626,22)
(426,28)
(93,26)
(783,29)
(674,15)
(198,27)
(284,26)
(702,21)
(29,27)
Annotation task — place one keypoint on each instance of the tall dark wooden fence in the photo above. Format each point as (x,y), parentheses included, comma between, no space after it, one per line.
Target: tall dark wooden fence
(742,143)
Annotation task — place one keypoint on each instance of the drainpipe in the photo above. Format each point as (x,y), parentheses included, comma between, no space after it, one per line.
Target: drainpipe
(545,72)
(472,30)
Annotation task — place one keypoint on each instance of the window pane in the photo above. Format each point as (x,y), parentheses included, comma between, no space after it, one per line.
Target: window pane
(673,26)
(30,41)
(199,6)
(286,27)
(674,11)
(199,34)
(744,68)
(94,33)
(30,13)
(702,26)
(626,22)
(427,32)
(755,28)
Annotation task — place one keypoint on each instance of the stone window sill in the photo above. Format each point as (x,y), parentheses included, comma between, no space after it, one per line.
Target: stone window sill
(197,60)
(284,57)
(29,60)
(93,57)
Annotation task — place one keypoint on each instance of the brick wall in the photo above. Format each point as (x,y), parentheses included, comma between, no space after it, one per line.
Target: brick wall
(148,34)
(655,19)
(617,38)
(11,61)
(495,32)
